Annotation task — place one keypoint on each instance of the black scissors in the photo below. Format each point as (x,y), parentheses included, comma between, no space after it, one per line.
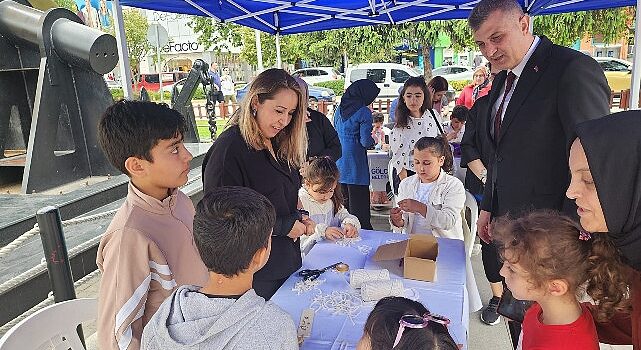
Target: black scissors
(314,274)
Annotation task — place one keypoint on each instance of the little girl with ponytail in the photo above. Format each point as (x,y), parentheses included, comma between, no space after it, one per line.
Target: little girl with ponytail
(431,200)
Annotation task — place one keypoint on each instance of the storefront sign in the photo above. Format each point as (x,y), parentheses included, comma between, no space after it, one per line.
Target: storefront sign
(190,46)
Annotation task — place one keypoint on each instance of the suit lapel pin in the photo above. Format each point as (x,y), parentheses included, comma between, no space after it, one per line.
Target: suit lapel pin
(536,69)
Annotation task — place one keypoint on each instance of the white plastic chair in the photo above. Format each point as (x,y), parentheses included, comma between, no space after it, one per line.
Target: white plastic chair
(46,328)
(472,206)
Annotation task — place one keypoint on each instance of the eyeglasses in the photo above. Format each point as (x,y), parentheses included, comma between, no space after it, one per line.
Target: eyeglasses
(418,322)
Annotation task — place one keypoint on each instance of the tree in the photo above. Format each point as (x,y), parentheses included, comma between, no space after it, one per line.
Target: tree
(216,35)
(138,46)
(376,43)
(564,29)
(326,47)
(426,34)
(68,4)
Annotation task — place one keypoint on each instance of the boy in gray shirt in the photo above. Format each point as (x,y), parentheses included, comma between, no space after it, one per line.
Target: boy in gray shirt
(232,231)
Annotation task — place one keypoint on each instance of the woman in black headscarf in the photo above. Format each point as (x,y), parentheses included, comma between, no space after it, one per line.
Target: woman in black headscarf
(353,122)
(605,162)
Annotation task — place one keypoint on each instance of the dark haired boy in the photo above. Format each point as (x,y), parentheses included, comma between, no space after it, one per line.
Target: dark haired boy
(148,249)
(232,230)
(456,128)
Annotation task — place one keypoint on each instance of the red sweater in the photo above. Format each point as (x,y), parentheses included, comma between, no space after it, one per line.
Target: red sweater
(465,98)
(578,335)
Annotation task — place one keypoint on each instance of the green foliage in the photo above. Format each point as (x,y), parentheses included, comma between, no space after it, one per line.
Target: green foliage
(458,85)
(68,4)
(136,27)
(426,34)
(376,43)
(118,94)
(323,48)
(216,35)
(564,29)
(203,128)
(336,85)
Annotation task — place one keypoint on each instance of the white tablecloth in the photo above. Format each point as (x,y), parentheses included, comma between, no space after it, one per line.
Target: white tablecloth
(445,296)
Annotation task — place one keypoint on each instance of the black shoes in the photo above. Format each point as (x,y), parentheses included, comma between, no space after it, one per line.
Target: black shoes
(489,316)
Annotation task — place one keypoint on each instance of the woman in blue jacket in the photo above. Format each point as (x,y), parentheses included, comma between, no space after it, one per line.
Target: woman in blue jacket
(353,122)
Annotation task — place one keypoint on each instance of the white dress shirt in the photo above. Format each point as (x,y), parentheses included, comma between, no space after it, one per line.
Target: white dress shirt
(518,70)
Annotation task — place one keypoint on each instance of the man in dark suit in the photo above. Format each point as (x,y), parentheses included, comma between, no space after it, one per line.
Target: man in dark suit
(543,91)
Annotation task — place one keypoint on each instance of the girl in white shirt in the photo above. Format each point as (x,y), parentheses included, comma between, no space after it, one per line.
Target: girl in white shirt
(430,201)
(414,119)
(321,197)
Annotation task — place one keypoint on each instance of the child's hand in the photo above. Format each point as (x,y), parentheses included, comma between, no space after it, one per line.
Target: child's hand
(301,171)
(310,226)
(297,230)
(396,216)
(403,174)
(413,206)
(334,233)
(350,231)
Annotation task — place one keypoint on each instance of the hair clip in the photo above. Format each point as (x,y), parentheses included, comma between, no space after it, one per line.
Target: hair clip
(584,235)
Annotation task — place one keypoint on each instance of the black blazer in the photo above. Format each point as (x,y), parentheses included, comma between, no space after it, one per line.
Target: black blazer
(322,137)
(558,88)
(232,162)
(474,145)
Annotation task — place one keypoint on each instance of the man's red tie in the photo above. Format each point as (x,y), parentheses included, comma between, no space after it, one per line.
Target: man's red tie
(497,118)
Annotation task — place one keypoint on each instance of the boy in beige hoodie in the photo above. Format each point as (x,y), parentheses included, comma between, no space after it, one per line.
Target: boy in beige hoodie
(148,249)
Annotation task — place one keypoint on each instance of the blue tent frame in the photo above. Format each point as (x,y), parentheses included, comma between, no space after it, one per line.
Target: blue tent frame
(282,17)
(300,16)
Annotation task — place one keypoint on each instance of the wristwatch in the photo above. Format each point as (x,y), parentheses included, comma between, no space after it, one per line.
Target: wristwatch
(484,176)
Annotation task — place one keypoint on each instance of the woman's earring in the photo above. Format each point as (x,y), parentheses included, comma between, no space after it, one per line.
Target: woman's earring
(253,113)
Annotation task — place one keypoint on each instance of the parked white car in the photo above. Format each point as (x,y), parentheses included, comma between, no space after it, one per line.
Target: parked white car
(317,74)
(456,72)
(389,77)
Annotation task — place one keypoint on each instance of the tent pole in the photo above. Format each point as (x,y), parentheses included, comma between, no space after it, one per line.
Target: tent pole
(636,73)
(279,64)
(123,59)
(259,51)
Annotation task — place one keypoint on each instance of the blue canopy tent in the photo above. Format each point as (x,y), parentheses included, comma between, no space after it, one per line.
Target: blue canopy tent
(281,17)
(290,17)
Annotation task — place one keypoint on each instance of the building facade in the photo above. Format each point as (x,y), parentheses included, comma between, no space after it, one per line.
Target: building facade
(183,49)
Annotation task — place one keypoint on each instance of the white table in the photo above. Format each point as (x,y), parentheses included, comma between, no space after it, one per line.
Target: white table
(445,296)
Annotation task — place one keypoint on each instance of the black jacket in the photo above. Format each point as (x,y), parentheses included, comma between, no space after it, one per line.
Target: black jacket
(232,162)
(322,137)
(474,145)
(528,169)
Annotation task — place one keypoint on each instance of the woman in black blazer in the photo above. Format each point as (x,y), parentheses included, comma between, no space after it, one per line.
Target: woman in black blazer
(263,149)
(321,136)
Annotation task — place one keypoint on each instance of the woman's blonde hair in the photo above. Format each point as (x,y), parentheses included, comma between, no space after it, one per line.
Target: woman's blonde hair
(292,140)
(482,69)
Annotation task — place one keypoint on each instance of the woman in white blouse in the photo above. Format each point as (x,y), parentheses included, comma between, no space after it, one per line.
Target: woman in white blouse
(414,119)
